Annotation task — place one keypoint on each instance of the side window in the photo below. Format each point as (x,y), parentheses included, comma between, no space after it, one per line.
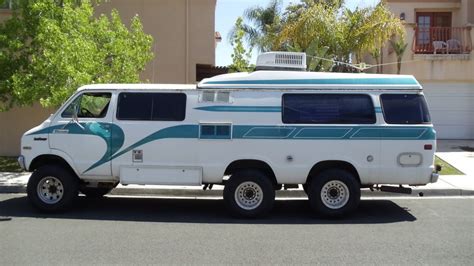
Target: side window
(151,106)
(169,106)
(91,105)
(328,109)
(134,106)
(405,109)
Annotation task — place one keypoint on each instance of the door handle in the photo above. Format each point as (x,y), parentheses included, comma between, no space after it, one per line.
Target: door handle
(61,131)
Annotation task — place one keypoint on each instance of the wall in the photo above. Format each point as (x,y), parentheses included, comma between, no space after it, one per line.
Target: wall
(15,122)
(183,32)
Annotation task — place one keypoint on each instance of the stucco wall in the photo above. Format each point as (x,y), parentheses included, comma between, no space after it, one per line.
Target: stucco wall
(183,32)
(15,122)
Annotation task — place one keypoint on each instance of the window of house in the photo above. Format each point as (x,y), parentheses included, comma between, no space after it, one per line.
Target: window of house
(151,106)
(328,109)
(89,105)
(405,109)
(432,26)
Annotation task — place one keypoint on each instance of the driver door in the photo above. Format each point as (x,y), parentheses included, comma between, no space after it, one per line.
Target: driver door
(83,132)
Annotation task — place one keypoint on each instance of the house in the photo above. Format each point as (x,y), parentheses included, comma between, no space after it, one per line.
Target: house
(184,41)
(439,54)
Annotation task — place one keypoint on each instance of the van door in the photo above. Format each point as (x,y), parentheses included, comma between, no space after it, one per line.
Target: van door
(159,146)
(83,131)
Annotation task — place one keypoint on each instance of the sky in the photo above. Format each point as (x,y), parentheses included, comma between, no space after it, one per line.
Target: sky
(227,12)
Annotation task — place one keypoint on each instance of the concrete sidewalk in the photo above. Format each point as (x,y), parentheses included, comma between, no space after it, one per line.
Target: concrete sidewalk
(462,185)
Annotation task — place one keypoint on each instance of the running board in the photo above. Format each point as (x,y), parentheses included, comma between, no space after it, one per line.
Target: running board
(400,189)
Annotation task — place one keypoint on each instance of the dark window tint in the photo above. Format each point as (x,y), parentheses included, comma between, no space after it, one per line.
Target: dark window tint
(134,106)
(405,109)
(152,106)
(169,106)
(215,131)
(328,109)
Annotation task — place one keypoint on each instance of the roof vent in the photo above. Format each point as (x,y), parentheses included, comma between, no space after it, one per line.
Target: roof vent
(282,61)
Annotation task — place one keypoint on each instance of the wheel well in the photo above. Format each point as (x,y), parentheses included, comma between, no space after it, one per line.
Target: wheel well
(252,164)
(325,165)
(50,159)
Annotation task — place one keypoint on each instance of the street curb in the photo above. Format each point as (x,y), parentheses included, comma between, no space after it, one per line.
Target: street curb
(297,193)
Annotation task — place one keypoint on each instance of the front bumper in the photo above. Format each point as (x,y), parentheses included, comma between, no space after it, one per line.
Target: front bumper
(21,162)
(434,177)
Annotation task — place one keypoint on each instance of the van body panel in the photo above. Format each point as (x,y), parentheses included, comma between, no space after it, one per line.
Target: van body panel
(244,123)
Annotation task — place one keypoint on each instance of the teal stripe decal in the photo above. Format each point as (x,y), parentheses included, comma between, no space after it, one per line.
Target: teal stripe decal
(378,109)
(224,108)
(325,132)
(113,135)
(346,81)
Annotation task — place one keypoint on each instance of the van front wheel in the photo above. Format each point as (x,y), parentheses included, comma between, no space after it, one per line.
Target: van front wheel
(334,193)
(52,188)
(249,194)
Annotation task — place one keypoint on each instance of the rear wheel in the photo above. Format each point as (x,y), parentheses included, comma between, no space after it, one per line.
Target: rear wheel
(334,193)
(249,194)
(52,188)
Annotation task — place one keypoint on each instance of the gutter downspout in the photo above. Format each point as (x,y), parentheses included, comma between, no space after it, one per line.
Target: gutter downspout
(186,37)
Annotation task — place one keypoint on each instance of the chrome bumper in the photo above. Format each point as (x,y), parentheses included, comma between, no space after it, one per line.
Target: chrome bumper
(21,162)
(434,177)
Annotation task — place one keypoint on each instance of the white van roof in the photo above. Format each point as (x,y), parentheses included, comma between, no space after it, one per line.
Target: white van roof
(310,80)
(138,86)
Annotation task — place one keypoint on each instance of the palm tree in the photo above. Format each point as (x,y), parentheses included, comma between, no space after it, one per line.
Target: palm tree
(399,47)
(265,24)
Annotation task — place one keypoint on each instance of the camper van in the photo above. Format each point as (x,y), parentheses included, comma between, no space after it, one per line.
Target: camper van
(331,133)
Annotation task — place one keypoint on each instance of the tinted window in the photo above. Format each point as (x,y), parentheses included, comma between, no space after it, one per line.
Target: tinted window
(91,105)
(405,109)
(328,109)
(169,106)
(152,106)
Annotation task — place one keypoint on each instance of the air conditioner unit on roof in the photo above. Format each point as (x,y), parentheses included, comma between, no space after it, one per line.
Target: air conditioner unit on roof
(281,61)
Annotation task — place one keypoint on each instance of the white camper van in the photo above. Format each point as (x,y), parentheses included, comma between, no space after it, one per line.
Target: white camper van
(332,133)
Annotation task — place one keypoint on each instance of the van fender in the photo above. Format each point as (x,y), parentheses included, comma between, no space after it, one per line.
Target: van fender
(67,158)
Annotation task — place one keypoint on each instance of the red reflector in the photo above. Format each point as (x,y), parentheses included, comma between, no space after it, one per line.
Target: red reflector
(428,147)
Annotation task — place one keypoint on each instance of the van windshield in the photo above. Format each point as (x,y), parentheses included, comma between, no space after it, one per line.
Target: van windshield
(405,109)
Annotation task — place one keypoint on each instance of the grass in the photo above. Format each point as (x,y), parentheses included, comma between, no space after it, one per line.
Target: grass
(9,164)
(447,169)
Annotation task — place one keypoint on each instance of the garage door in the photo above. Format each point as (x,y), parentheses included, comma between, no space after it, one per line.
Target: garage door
(452,109)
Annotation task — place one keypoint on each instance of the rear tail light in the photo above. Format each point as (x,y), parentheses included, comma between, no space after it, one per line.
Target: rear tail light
(428,147)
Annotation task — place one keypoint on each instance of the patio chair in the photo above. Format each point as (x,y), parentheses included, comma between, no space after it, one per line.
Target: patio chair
(439,45)
(453,46)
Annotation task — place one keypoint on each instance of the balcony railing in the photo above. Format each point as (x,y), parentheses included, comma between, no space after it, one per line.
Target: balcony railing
(442,40)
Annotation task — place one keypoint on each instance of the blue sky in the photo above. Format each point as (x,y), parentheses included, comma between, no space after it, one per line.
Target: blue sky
(227,12)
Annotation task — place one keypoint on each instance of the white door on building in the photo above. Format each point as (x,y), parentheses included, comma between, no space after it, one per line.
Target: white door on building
(451,108)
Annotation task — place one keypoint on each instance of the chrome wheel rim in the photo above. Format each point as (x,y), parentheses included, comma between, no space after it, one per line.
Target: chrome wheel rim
(335,194)
(248,195)
(50,190)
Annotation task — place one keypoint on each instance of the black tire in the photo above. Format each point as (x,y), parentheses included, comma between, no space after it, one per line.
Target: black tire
(95,192)
(305,188)
(67,187)
(252,181)
(338,184)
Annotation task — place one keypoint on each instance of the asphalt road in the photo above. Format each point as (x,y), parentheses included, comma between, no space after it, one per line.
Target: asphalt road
(184,231)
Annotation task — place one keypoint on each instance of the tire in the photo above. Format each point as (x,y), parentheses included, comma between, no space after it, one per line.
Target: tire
(334,193)
(249,194)
(305,188)
(95,192)
(51,188)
